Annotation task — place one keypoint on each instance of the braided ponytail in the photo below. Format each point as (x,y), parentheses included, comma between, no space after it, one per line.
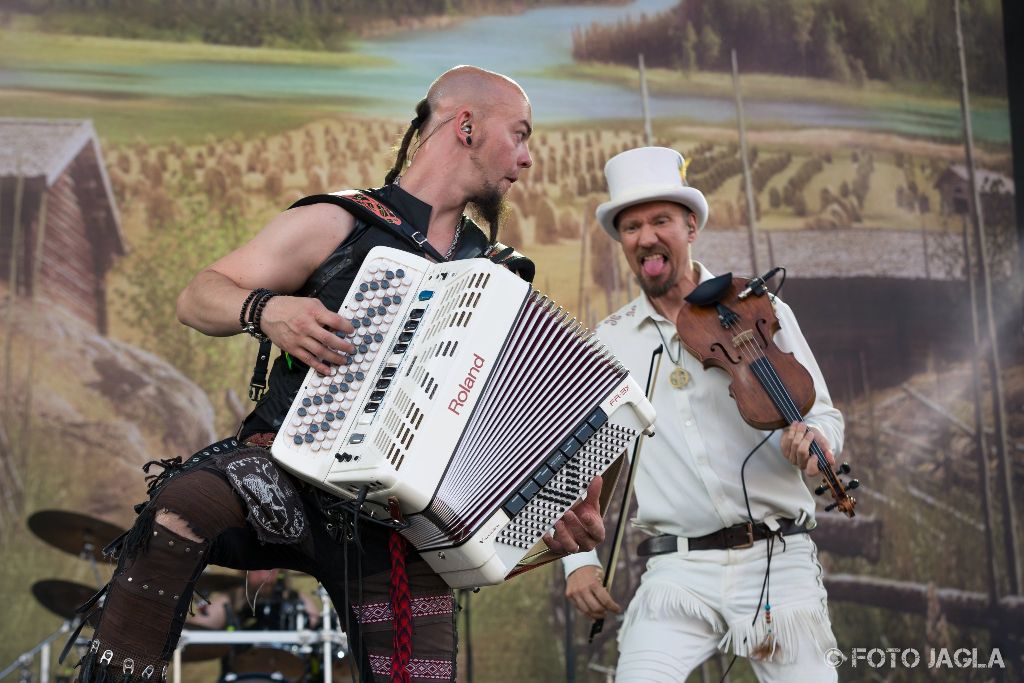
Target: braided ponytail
(422,114)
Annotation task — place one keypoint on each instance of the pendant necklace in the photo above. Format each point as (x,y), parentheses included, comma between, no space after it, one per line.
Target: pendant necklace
(679,377)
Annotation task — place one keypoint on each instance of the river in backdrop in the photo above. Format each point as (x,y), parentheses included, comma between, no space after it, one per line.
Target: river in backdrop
(524,46)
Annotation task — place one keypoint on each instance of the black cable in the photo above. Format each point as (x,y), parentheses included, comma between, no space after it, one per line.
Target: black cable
(750,516)
(781,282)
(359,502)
(743,480)
(354,509)
(348,605)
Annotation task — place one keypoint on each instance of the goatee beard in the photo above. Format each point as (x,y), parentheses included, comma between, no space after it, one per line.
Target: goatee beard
(654,290)
(489,206)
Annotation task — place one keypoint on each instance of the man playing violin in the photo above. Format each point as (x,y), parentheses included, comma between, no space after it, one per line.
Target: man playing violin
(730,565)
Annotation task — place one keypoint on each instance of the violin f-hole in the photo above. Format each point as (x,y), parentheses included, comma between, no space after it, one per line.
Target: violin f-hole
(764,334)
(725,352)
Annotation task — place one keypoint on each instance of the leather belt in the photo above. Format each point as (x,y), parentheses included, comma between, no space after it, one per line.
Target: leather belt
(730,538)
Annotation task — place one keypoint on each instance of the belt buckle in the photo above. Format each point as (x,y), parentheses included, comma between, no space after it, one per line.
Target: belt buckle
(750,537)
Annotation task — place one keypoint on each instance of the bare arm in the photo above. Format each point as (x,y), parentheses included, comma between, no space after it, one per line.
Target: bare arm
(280,258)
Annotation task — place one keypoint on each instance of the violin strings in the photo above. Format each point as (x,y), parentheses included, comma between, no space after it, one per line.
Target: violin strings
(777,390)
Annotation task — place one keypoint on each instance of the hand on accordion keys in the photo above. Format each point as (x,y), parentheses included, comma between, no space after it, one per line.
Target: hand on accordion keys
(310,333)
(581,528)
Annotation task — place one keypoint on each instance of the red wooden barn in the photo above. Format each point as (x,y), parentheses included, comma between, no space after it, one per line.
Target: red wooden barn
(59,226)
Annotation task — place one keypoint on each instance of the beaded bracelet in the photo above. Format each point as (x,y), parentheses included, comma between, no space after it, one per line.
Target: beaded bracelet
(257,315)
(252,312)
(245,307)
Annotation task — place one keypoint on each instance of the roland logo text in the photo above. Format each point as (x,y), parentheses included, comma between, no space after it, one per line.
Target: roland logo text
(456,404)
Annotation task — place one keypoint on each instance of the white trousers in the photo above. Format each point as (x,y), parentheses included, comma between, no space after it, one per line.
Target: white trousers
(691,605)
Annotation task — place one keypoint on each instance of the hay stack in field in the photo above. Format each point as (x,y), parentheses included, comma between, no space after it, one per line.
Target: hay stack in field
(160,208)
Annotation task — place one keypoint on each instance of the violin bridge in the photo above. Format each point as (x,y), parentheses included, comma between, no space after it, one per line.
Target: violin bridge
(742,338)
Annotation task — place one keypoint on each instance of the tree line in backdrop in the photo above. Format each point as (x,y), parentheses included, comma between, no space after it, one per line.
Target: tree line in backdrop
(844,40)
(306,24)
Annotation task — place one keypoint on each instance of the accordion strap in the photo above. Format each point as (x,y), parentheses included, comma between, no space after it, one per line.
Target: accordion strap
(372,210)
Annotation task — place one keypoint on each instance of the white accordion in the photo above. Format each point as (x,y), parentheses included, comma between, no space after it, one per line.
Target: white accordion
(475,402)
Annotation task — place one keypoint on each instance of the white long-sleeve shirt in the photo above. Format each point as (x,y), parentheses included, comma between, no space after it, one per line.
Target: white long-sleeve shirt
(689,482)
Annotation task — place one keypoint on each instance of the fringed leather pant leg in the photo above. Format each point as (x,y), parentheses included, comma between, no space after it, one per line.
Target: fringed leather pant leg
(148,599)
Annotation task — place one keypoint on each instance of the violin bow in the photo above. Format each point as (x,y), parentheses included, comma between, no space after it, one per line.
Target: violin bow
(627,495)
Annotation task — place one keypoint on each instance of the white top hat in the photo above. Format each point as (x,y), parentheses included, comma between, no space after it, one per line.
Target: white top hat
(648,174)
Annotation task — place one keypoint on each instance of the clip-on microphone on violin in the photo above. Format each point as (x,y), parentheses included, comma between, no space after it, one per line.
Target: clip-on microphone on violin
(756,285)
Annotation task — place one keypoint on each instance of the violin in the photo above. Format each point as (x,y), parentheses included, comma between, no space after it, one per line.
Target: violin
(729,323)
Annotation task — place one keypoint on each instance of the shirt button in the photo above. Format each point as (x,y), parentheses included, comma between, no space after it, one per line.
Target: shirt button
(688,423)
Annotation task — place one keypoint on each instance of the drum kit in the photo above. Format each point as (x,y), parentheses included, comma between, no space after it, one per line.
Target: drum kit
(276,642)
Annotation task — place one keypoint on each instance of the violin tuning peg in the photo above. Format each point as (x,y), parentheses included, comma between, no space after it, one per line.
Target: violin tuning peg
(820,490)
(830,507)
(854,483)
(844,468)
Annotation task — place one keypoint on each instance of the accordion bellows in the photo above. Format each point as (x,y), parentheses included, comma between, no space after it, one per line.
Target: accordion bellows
(478,404)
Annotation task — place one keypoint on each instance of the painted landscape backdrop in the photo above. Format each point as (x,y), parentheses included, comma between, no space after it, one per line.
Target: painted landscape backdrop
(142,140)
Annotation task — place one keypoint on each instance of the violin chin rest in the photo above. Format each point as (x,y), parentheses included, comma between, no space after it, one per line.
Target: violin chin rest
(710,291)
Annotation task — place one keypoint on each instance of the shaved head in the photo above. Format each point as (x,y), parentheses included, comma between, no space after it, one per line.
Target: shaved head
(472,134)
(471,87)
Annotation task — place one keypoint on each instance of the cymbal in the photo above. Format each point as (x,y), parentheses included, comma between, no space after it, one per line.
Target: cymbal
(62,597)
(269,659)
(209,582)
(73,532)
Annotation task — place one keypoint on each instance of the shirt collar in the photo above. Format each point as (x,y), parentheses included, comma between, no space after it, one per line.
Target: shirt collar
(645,309)
(414,211)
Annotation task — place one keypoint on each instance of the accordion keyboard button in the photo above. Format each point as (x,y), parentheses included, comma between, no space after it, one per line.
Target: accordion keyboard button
(569,447)
(514,505)
(543,475)
(556,461)
(529,490)
(584,433)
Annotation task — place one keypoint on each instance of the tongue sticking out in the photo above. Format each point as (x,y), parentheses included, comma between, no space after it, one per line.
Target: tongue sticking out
(653,267)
